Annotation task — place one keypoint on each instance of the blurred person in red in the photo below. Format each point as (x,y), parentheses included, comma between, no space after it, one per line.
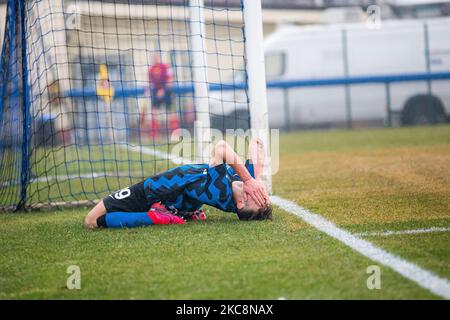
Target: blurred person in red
(160,78)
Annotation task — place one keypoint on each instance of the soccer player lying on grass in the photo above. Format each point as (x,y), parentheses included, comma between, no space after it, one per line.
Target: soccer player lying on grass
(176,195)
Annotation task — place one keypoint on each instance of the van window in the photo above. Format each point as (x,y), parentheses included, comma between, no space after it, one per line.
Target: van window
(275,64)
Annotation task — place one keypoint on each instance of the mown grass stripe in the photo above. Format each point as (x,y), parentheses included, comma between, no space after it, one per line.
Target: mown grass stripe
(424,278)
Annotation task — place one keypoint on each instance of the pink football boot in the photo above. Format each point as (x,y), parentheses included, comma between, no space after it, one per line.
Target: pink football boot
(197,215)
(160,215)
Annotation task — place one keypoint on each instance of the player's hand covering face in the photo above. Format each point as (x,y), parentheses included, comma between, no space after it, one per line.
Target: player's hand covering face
(256,190)
(243,199)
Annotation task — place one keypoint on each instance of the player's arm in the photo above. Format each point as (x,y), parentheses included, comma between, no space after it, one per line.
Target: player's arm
(255,188)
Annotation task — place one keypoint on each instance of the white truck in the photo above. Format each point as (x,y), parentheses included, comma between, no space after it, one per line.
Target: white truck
(397,47)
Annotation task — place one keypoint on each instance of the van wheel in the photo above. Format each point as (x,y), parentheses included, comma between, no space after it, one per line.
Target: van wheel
(421,110)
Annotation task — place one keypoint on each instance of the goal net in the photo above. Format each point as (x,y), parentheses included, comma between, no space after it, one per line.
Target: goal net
(95,94)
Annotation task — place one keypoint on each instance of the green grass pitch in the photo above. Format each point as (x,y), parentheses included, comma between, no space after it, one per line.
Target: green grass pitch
(363,180)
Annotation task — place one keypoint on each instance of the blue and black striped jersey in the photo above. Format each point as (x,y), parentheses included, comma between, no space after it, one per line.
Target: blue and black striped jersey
(188,187)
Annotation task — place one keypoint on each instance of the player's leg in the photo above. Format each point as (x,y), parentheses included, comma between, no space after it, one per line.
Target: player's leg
(155,99)
(255,157)
(168,98)
(99,217)
(128,208)
(90,222)
(125,208)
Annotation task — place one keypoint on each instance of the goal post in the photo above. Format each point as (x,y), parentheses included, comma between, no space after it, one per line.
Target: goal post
(199,73)
(254,47)
(93,91)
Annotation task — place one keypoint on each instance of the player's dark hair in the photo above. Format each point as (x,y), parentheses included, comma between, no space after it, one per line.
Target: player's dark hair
(260,214)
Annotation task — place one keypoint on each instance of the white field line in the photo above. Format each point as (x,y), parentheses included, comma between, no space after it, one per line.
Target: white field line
(399,232)
(61,178)
(157,153)
(424,278)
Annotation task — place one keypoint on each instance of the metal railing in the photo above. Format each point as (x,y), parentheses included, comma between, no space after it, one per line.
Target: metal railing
(286,85)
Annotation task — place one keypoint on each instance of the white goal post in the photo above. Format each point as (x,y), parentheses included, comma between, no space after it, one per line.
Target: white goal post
(256,82)
(200,76)
(256,73)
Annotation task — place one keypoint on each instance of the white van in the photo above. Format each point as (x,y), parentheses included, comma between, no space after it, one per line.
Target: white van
(318,52)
